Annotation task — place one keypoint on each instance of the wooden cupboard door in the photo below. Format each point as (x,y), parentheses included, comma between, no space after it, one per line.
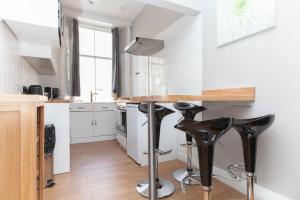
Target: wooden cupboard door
(29,153)
(10,131)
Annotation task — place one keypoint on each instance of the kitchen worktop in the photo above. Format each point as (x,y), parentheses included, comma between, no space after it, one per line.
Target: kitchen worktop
(10,98)
(246,94)
(60,101)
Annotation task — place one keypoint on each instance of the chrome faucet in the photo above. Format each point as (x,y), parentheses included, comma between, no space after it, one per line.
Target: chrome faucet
(92,96)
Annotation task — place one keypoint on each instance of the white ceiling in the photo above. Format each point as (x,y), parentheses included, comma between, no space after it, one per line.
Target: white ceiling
(125,10)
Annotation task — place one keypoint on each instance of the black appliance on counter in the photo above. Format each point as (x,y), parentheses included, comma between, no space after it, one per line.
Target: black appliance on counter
(25,90)
(51,93)
(35,89)
(48,92)
(55,93)
(49,145)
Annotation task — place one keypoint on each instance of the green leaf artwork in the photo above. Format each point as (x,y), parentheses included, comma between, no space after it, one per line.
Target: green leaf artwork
(241,18)
(240,7)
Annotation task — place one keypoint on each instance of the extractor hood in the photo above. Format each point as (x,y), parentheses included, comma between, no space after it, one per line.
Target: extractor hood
(144,46)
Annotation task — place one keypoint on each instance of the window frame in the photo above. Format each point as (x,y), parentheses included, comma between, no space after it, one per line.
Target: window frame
(94,57)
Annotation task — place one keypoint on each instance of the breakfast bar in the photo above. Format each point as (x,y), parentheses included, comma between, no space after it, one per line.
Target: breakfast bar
(246,94)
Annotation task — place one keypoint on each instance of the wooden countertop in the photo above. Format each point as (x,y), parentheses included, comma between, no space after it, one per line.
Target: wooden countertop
(22,98)
(60,101)
(246,94)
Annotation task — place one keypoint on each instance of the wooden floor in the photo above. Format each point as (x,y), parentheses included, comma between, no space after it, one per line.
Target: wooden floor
(103,171)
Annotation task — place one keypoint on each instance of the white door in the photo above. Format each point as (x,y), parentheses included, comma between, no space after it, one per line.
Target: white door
(132,131)
(81,124)
(104,123)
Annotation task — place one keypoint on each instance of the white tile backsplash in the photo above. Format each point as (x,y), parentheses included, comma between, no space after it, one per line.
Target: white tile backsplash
(14,70)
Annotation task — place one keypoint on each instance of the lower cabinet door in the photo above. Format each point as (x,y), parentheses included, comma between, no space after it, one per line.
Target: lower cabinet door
(10,148)
(81,124)
(104,123)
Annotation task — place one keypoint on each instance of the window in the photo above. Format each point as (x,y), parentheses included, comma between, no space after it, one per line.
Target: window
(95,63)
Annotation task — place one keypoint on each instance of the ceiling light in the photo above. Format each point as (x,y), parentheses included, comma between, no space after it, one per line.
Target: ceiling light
(93,1)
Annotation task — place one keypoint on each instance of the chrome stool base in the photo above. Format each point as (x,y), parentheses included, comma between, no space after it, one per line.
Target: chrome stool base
(250,186)
(206,195)
(181,174)
(166,188)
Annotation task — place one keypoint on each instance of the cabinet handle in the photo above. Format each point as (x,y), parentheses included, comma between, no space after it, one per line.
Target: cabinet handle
(92,122)
(80,107)
(95,122)
(104,107)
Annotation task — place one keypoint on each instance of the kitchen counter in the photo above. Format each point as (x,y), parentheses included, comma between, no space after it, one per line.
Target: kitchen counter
(60,101)
(246,94)
(22,98)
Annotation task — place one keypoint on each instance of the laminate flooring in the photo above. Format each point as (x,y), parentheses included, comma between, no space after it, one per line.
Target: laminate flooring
(103,171)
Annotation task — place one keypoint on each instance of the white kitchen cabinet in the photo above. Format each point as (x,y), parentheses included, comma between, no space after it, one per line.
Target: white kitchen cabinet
(81,124)
(104,106)
(92,122)
(104,123)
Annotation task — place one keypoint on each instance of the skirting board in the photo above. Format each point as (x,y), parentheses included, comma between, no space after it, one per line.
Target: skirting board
(93,139)
(261,193)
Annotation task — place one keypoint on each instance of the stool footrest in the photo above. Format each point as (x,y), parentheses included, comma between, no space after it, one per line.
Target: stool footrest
(163,153)
(186,144)
(190,178)
(237,170)
(160,152)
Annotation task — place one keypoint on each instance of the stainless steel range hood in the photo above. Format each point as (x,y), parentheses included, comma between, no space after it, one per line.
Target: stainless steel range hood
(144,46)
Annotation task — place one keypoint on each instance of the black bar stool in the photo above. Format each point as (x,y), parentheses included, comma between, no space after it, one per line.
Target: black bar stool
(206,134)
(164,187)
(250,130)
(188,111)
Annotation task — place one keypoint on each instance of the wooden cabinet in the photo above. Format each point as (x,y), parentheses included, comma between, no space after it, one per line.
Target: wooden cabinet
(21,151)
(10,155)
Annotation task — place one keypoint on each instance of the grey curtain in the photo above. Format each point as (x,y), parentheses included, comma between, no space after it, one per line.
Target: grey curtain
(115,63)
(75,86)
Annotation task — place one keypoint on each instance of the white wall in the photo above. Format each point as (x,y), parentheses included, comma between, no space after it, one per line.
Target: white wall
(183,55)
(62,79)
(14,70)
(181,58)
(270,62)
